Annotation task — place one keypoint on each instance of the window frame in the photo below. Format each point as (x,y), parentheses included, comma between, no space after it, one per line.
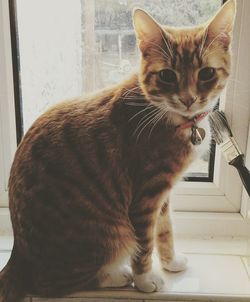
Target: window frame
(226,198)
(202,203)
(7,103)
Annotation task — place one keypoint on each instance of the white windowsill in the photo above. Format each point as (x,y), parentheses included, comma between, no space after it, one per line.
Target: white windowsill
(218,271)
(195,224)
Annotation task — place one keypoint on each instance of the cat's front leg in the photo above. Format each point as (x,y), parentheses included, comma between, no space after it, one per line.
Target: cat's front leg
(170,259)
(143,219)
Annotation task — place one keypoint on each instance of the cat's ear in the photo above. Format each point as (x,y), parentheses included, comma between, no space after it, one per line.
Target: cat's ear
(221,26)
(146,28)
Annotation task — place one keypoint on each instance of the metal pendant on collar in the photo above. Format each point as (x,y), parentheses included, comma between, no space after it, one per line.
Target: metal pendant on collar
(198,135)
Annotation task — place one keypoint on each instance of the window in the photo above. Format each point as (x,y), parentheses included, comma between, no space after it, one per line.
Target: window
(86,45)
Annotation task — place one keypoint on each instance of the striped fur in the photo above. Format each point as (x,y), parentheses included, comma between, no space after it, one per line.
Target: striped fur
(90,179)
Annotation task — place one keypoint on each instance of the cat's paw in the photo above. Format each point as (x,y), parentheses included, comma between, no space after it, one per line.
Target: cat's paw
(148,282)
(177,264)
(119,278)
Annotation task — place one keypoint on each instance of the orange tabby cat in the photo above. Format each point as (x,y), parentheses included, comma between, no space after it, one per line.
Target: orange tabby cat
(89,183)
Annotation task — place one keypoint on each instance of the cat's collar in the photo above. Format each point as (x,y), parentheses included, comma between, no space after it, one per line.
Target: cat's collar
(198,134)
(193,121)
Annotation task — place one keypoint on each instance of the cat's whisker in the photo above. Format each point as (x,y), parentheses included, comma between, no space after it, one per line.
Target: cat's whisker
(131,90)
(128,92)
(161,53)
(169,46)
(146,123)
(155,121)
(144,119)
(216,37)
(135,99)
(167,115)
(203,42)
(127,95)
(211,43)
(136,104)
(163,50)
(149,106)
(209,54)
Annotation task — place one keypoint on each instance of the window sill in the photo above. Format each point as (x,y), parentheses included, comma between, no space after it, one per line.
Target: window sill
(218,271)
(195,224)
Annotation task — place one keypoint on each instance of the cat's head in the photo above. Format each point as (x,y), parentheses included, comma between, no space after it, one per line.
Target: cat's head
(184,70)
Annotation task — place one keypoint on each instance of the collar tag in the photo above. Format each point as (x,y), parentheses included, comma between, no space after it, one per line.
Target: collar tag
(198,135)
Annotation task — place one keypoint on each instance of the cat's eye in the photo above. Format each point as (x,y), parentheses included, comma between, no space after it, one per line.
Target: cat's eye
(168,76)
(206,74)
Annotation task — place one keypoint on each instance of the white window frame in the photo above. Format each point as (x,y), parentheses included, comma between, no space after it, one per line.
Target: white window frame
(221,207)
(226,188)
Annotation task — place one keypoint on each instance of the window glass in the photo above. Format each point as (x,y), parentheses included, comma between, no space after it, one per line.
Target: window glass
(67,48)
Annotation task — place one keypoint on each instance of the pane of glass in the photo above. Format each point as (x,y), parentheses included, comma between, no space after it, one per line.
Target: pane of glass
(67,48)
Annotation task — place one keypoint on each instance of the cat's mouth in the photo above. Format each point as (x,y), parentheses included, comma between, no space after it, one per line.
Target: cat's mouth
(177,112)
(189,110)
(176,106)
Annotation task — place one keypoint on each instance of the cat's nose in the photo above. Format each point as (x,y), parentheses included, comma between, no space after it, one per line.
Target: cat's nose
(188,100)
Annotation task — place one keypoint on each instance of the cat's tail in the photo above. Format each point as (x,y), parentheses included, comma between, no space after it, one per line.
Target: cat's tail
(12,280)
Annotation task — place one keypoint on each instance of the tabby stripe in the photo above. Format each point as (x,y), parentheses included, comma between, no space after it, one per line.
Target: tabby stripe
(163,236)
(224,71)
(145,242)
(174,57)
(106,199)
(144,254)
(153,190)
(149,175)
(104,162)
(105,100)
(193,54)
(139,211)
(87,171)
(64,189)
(83,187)
(87,212)
(142,220)
(186,57)
(59,173)
(102,103)
(164,208)
(141,226)
(199,58)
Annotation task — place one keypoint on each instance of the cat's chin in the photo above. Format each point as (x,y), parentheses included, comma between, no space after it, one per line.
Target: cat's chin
(176,118)
(192,114)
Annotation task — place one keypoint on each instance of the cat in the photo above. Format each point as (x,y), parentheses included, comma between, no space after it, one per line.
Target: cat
(89,185)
